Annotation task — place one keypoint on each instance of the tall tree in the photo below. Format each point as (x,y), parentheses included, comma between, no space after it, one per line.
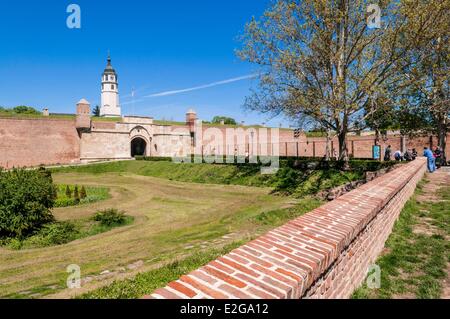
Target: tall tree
(425,94)
(320,59)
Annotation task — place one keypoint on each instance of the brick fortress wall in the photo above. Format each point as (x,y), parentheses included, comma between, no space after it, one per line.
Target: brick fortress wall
(32,142)
(323,254)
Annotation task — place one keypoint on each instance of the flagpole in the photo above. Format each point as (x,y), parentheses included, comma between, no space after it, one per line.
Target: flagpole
(132,96)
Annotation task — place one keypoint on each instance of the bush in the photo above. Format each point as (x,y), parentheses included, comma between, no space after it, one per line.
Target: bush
(87,195)
(83,194)
(53,234)
(26,199)
(76,195)
(68,192)
(153,159)
(287,180)
(110,217)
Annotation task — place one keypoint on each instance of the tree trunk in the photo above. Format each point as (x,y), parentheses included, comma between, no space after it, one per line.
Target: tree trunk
(442,138)
(343,151)
(377,137)
(328,146)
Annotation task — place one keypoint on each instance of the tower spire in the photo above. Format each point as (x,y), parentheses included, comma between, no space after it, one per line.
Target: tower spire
(109,57)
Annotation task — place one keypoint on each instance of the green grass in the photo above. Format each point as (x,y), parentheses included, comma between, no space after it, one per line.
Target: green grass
(63,232)
(172,221)
(278,217)
(147,282)
(287,180)
(94,194)
(415,264)
(54,117)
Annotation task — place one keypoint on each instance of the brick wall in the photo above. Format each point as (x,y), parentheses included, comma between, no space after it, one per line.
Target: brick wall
(32,142)
(323,254)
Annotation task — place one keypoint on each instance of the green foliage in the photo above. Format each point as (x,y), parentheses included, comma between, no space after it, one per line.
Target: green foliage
(153,159)
(51,234)
(83,193)
(21,109)
(68,192)
(59,233)
(146,283)
(26,199)
(416,262)
(227,120)
(280,216)
(76,195)
(300,177)
(93,194)
(287,180)
(96,111)
(110,217)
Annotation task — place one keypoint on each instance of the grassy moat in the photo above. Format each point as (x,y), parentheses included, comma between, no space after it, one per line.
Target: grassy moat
(179,216)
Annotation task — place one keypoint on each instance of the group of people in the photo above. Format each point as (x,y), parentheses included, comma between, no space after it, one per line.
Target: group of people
(409,155)
(434,157)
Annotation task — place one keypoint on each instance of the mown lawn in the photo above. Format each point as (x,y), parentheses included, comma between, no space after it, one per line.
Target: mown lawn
(417,252)
(182,212)
(172,220)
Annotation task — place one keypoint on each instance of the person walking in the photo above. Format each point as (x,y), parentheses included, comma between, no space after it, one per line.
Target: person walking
(398,156)
(430,159)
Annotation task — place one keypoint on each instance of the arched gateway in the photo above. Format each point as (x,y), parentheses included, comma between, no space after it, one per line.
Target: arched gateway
(138,147)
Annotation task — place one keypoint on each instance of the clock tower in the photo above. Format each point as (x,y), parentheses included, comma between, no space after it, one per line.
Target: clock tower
(110,106)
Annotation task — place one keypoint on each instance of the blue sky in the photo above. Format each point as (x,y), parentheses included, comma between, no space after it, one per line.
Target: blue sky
(176,54)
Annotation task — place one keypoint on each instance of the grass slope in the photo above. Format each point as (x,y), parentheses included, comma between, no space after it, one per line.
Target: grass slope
(288,180)
(415,262)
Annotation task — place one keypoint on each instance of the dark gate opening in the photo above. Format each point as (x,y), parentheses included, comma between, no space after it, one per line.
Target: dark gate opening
(138,147)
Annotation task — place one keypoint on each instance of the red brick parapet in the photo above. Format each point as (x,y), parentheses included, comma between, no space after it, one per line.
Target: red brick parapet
(323,254)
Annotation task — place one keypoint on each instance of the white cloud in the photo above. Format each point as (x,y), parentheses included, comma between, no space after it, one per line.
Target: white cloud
(201,87)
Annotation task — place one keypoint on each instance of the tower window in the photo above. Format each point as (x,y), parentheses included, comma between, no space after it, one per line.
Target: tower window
(112,87)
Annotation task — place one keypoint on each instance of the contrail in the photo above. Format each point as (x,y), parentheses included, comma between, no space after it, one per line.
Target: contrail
(205,86)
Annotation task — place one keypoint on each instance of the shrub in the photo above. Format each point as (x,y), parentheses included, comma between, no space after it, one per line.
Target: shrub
(76,195)
(153,159)
(26,199)
(68,192)
(53,234)
(110,217)
(83,194)
(287,180)
(22,109)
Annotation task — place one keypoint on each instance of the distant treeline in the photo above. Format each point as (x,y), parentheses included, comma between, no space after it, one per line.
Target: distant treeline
(21,109)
